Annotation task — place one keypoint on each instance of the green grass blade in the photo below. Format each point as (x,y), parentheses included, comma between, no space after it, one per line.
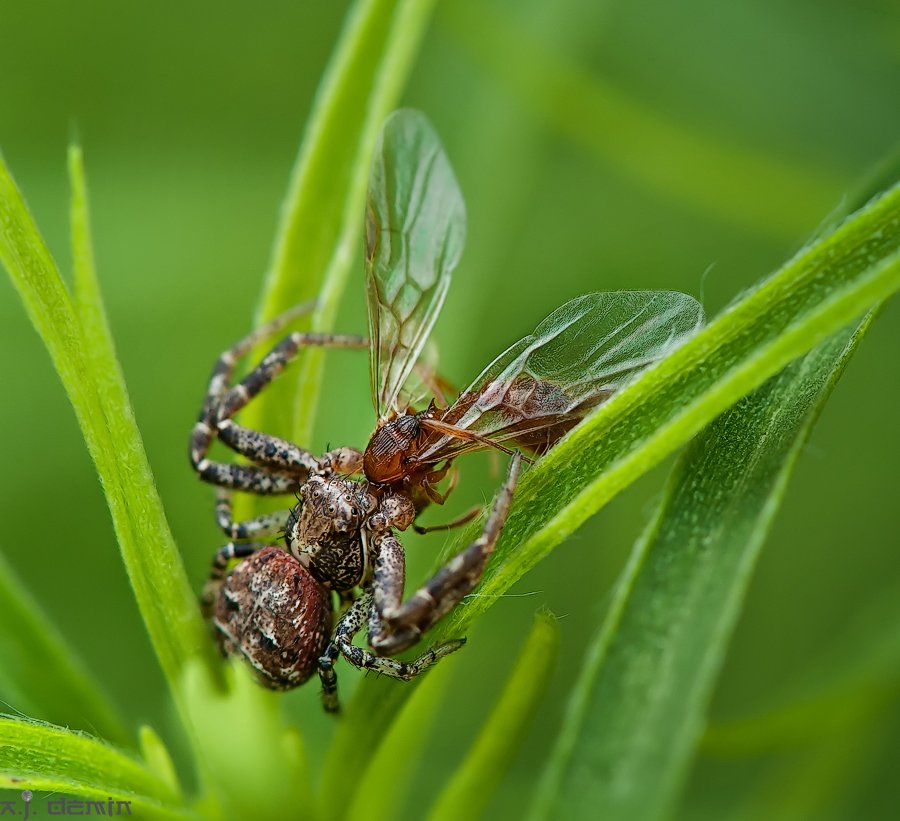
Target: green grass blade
(469,791)
(735,184)
(154,566)
(363,724)
(826,286)
(385,783)
(37,756)
(321,226)
(31,646)
(639,706)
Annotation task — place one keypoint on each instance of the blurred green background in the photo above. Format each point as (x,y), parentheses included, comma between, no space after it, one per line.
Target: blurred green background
(603,145)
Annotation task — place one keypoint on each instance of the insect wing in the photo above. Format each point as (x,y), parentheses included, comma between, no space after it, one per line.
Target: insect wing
(578,357)
(415,231)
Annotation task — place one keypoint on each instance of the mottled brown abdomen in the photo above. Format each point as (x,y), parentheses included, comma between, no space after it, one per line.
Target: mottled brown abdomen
(271,611)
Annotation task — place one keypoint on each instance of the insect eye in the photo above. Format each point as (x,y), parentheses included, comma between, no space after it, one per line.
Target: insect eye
(332,510)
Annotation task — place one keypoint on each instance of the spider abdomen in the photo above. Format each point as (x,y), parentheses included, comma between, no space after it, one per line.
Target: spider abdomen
(271,611)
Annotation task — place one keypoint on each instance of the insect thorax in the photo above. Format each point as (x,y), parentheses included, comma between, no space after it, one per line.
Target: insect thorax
(387,453)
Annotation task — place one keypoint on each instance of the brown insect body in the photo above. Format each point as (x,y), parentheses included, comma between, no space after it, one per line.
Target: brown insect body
(531,414)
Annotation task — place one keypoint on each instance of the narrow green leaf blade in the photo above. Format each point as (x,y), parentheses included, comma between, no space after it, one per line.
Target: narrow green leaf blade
(37,756)
(321,225)
(469,791)
(826,286)
(31,647)
(380,792)
(154,566)
(107,424)
(639,705)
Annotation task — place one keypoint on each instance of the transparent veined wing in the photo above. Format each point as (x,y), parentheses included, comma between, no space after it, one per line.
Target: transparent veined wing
(415,232)
(579,356)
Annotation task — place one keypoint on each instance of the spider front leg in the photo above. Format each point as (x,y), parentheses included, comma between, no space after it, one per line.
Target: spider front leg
(396,625)
(279,464)
(341,644)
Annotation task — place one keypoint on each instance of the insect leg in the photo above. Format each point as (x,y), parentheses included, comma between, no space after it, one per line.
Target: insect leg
(268,524)
(217,572)
(459,521)
(402,624)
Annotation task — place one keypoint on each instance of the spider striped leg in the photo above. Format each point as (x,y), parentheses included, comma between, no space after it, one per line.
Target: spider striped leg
(342,645)
(259,527)
(397,625)
(279,463)
(219,570)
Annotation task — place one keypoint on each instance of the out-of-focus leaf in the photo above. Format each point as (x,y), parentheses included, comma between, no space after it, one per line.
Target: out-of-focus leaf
(390,769)
(40,676)
(470,788)
(720,178)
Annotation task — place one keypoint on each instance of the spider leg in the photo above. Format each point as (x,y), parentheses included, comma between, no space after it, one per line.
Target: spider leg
(218,571)
(279,463)
(396,625)
(259,527)
(342,645)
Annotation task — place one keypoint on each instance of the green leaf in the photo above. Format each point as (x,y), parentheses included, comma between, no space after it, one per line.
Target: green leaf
(639,705)
(651,671)
(157,758)
(79,345)
(469,791)
(255,763)
(365,720)
(379,794)
(824,287)
(40,675)
(321,224)
(37,756)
